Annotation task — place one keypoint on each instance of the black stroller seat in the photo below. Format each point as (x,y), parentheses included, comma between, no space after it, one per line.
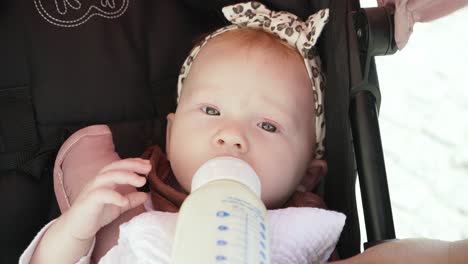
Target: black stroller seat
(69,64)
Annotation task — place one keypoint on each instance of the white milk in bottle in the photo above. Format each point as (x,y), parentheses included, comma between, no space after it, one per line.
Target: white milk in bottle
(223,219)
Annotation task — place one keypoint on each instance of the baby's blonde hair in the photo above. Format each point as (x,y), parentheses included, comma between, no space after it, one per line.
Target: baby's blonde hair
(255,37)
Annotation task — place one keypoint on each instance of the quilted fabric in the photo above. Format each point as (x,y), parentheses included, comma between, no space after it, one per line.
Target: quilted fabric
(297,236)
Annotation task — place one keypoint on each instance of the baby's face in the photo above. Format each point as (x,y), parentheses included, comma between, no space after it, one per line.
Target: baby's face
(248,103)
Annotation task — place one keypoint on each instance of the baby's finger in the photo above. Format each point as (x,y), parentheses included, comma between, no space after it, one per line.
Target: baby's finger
(137,165)
(134,199)
(106,196)
(115,177)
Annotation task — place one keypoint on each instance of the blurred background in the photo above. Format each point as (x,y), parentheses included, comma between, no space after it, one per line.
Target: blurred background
(424,128)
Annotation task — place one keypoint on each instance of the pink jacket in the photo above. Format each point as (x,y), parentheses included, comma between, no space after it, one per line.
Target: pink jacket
(408,12)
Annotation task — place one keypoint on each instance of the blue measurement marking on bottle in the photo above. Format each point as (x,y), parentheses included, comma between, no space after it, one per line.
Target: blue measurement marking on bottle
(246,239)
(263,254)
(220,258)
(223,228)
(221,242)
(222,214)
(262,244)
(263,235)
(263,226)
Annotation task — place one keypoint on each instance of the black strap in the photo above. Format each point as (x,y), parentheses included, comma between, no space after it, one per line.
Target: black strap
(17,124)
(19,139)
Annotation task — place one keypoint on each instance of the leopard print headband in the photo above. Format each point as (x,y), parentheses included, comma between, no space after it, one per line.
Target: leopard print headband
(297,33)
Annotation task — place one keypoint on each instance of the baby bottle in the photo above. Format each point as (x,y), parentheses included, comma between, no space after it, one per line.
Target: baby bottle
(223,219)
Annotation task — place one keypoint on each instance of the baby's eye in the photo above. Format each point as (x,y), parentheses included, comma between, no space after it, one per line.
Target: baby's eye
(210,111)
(267,127)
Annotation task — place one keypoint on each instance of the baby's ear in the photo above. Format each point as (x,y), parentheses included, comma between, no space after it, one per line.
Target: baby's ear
(316,170)
(170,120)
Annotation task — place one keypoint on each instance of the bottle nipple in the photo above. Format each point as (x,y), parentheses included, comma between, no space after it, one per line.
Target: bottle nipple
(227,168)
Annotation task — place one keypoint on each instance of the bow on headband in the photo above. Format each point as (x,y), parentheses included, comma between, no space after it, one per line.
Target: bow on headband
(287,26)
(291,29)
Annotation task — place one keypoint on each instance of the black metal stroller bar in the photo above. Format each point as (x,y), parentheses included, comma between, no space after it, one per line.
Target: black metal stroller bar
(370,33)
(371,169)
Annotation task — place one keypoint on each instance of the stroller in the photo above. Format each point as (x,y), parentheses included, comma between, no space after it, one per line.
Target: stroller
(63,69)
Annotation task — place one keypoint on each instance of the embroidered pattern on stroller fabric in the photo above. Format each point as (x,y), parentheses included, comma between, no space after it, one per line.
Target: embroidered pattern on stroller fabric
(73,13)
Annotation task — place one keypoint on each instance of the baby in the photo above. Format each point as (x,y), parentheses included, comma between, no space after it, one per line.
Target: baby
(252,90)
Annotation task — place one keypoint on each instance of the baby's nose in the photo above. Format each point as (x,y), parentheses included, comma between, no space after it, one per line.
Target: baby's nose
(232,140)
(222,142)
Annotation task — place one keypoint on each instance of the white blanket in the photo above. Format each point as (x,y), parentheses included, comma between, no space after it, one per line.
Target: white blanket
(297,235)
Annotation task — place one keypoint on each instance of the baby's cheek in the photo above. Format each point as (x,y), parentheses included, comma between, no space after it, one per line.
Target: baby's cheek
(181,170)
(275,192)
(181,158)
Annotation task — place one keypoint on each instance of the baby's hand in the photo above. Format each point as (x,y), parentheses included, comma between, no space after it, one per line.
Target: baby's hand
(98,204)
